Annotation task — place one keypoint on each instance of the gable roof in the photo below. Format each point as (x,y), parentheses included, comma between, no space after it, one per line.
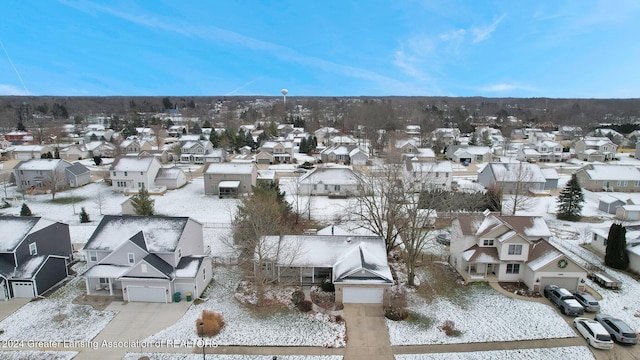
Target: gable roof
(188,266)
(230,168)
(611,172)
(516,172)
(41,164)
(161,234)
(330,175)
(77,169)
(169,173)
(126,163)
(361,259)
(477,254)
(531,227)
(542,253)
(159,264)
(14,230)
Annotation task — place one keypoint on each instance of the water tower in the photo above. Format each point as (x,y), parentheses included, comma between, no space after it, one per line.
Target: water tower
(284,95)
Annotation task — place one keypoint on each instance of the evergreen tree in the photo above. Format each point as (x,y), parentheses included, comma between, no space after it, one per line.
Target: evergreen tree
(25,211)
(303,149)
(616,253)
(273,129)
(214,137)
(570,201)
(196,130)
(84,217)
(142,203)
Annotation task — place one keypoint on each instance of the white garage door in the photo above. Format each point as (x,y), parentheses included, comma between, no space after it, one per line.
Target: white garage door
(362,295)
(147,294)
(23,289)
(569,283)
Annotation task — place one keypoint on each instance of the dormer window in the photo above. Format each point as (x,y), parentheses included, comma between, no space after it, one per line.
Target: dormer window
(515,249)
(487,242)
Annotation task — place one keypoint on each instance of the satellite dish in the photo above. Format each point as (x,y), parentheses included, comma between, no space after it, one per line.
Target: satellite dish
(284,92)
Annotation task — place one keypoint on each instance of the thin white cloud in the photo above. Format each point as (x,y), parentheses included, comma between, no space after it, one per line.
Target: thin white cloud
(481,34)
(211,33)
(505,87)
(6,89)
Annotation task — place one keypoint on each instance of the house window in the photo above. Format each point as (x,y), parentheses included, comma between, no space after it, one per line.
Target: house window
(179,253)
(114,173)
(143,267)
(437,174)
(141,173)
(93,256)
(515,249)
(204,273)
(131,257)
(33,249)
(125,173)
(266,266)
(326,187)
(104,282)
(636,184)
(140,184)
(336,188)
(622,183)
(315,187)
(513,268)
(487,242)
(605,148)
(605,241)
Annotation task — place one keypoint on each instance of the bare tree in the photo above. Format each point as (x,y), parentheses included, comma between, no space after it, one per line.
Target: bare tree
(54,181)
(513,185)
(99,200)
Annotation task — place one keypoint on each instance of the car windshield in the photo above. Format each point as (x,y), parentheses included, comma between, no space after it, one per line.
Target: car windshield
(593,303)
(629,335)
(603,337)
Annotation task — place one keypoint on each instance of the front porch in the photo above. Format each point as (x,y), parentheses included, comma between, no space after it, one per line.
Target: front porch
(480,272)
(301,275)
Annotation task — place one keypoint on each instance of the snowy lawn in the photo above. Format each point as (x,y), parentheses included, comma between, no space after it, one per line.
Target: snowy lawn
(571,352)
(484,315)
(174,356)
(56,318)
(284,327)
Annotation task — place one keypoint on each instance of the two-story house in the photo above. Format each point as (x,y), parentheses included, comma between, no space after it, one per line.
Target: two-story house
(130,173)
(135,146)
(41,174)
(273,152)
(428,175)
(608,177)
(195,151)
(34,254)
(101,148)
(595,149)
(329,181)
(146,258)
(511,249)
(544,151)
(230,178)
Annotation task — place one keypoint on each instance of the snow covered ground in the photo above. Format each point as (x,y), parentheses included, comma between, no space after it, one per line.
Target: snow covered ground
(49,355)
(485,316)
(175,356)
(287,327)
(572,352)
(56,318)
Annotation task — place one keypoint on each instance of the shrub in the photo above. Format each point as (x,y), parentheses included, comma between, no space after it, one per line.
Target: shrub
(297,296)
(396,314)
(339,318)
(25,211)
(327,285)
(209,324)
(84,217)
(449,328)
(305,305)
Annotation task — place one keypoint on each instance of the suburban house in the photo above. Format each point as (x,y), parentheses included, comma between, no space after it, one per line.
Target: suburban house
(342,140)
(543,151)
(600,238)
(609,204)
(129,173)
(171,178)
(358,157)
(18,136)
(337,153)
(218,155)
(194,151)
(134,146)
(448,136)
(513,177)
(511,249)
(595,149)
(230,179)
(27,152)
(101,149)
(569,132)
(74,153)
(325,133)
(146,258)
(428,175)
(77,175)
(329,180)
(272,152)
(98,135)
(407,147)
(34,254)
(41,174)
(356,265)
(607,177)
(469,154)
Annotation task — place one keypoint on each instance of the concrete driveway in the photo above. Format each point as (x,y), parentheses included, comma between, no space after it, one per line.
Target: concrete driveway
(367,334)
(10,306)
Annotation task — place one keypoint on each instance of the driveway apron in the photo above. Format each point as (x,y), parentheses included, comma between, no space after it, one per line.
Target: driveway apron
(367,334)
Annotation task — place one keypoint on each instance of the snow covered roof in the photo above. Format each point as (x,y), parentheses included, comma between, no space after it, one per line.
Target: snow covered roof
(229,184)
(14,230)
(29,148)
(329,175)
(169,173)
(161,234)
(474,150)
(531,227)
(550,173)
(132,163)
(477,254)
(230,168)
(28,269)
(41,164)
(188,266)
(266,174)
(105,271)
(612,172)
(359,260)
(332,230)
(431,166)
(515,172)
(542,253)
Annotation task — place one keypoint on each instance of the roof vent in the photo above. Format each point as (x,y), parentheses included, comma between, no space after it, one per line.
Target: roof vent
(486,212)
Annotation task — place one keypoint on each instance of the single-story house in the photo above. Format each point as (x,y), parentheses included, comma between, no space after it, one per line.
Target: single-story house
(356,265)
(609,204)
(78,175)
(329,180)
(608,177)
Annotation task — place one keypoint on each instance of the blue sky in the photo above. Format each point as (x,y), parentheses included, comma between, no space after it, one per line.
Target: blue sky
(582,48)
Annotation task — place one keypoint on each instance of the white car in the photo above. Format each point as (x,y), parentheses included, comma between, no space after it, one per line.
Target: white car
(596,335)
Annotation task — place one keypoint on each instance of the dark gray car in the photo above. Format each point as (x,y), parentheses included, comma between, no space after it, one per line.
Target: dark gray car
(588,302)
(619,330)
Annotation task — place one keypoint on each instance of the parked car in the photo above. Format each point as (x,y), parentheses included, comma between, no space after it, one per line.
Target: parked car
(588,302)
(619,330)
(564,300)
(596,335)
(444,238)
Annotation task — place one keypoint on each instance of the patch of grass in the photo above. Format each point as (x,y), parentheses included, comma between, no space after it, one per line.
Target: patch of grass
(442,281)
(68,200)
(419,319)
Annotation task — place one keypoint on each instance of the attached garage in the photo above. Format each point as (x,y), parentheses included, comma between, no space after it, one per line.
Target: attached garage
(23,289)
(183,289)
(569,283)
(147,294)
(362,295)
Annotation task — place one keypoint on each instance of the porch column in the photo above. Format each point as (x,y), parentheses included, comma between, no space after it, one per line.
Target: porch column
(278,267)
(110,286)
(313,275)
(86,283)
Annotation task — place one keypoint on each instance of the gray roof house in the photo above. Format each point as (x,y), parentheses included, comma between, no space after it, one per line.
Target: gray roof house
(357,265)
(34,254)
(595,149)
(40,174)
(146,258)
(77,175)
(511,249)
(514,177)
(608,177)
(334,180)
(230,179)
